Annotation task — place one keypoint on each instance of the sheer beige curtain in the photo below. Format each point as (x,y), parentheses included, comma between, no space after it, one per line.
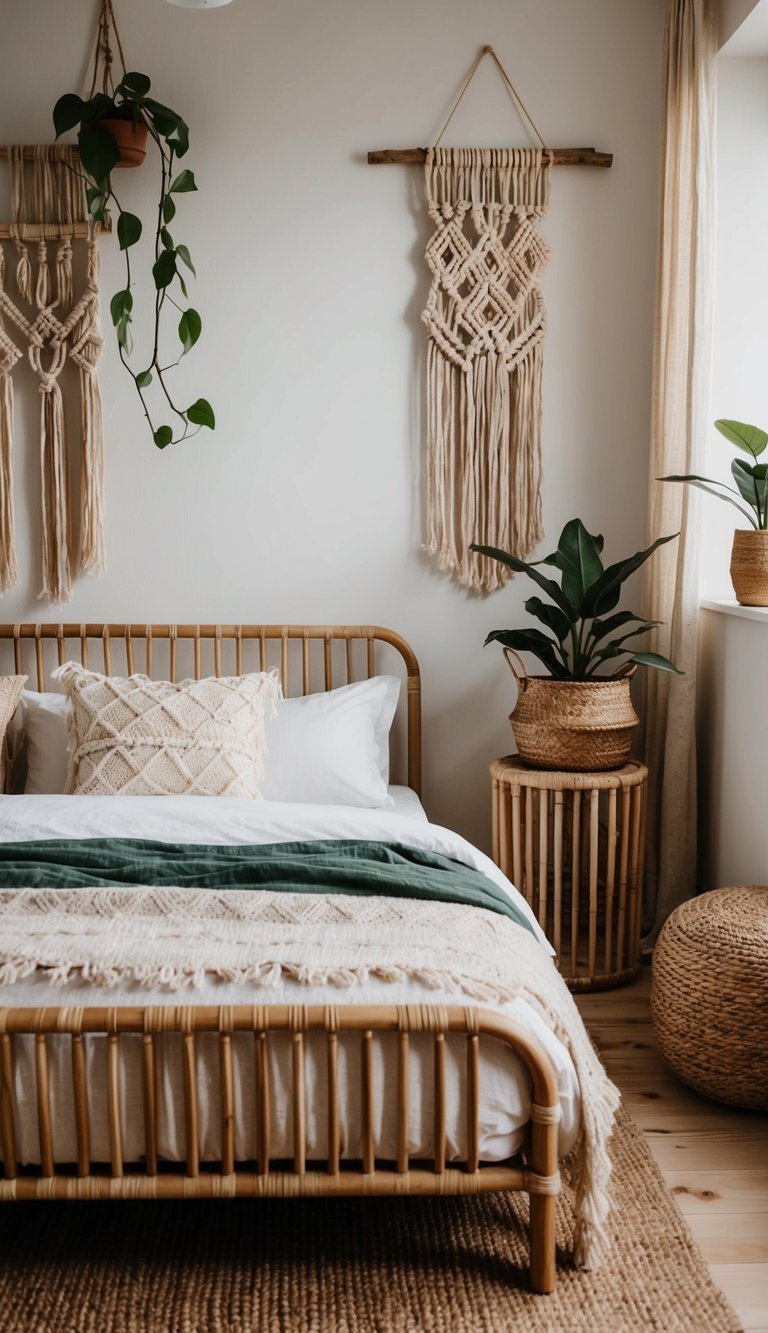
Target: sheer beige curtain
(680,412)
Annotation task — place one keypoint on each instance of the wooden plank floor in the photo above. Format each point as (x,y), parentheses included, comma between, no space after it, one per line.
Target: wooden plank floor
(713,1157)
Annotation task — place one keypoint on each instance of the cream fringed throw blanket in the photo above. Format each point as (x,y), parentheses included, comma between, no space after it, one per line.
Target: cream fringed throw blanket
(52,318)
(176,937)
(486,321)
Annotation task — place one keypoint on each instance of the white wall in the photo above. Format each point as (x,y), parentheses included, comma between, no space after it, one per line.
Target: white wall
(306,502)
(740,343)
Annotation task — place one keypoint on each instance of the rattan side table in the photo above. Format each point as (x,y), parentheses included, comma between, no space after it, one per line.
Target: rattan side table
(573,844)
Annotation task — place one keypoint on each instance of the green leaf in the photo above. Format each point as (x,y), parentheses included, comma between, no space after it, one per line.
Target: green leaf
(657,661)
(137,84)
(164,269)
(532,641)
(169,209)
(201,414)
(704,484)
(183,285)
(67,113)
(604,594)
(190,328)
(180,140)
(578,557)
(551,616)
(166,238)
(163,436)
(613,648)
(128,229)
(749,438)
(124,334)
(750,480)
(601,628)
(97,202)
(143,379)
(165,121)
(184,182)
(99,153)
(183,253)
(121,305)
(523,567)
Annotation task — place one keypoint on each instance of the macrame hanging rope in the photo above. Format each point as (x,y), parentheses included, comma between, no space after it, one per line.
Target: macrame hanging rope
(56,329)
(486,321)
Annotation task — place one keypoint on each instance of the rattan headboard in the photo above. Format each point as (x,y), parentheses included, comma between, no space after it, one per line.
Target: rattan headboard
(316,657)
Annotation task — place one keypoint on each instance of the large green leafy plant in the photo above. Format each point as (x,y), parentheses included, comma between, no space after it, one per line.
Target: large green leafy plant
(99,155)
(580,634)
(750,478)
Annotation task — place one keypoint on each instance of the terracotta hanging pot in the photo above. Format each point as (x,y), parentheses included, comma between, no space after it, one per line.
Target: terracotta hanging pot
(574,725)
(749,566)
(130,137)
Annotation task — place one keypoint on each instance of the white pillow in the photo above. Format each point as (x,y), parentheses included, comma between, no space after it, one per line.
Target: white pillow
(332,748)
(44,731)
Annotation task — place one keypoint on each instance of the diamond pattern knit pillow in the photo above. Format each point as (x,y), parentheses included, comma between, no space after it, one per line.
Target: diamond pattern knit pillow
(10,693)
(142,737)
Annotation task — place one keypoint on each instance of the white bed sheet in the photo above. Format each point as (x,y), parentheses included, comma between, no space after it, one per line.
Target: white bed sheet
(504,1084)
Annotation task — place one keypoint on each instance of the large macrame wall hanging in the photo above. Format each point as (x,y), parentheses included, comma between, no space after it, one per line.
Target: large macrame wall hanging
(485,321)
(52,317)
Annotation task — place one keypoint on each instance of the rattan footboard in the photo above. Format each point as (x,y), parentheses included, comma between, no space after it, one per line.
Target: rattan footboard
(264,1177)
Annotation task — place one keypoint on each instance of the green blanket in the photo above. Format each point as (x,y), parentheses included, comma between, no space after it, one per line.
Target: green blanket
(351,867)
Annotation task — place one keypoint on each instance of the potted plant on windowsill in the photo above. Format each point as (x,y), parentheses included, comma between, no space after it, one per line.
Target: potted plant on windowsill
(749,554)
(575,718)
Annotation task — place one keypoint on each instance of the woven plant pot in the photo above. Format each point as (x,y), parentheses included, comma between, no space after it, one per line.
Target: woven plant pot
(709,998)
(574,725)
(749,566)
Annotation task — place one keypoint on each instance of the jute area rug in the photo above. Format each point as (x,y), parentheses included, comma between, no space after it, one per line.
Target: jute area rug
(349,1266)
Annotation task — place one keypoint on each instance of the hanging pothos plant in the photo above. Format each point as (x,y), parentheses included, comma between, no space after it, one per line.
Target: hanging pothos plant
(99,155)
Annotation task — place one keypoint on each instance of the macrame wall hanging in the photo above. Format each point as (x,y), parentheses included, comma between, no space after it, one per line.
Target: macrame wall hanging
(485,321)
(52,317)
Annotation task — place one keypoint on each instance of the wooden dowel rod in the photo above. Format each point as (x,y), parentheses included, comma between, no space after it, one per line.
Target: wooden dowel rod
(80,1095)
(334,1134)
(190,1104)
(403,1101)
(439,1152)
(113,1105)
(562,157)
(53,231)
(6,1107)
(227,1106)
(367,1079)
(43,1105)
(262,1079)
(299,1106)
(150,1104)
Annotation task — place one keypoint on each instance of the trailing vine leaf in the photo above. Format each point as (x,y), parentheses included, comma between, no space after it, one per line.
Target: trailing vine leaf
(121,305)
(143,379)
(163,436)
(138,84)
(164,269)
(99,153)
(67,113)
(183,253)
(201,414)
(169,210)
(184,182)
(190,328)
(128,229)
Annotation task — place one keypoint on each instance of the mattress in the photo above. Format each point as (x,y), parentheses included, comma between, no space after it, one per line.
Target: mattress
(504,1084)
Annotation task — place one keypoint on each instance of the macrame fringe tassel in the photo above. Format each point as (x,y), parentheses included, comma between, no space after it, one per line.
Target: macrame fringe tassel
(92,556)
(64,287)
(9,570)
(57,572)
(483,463)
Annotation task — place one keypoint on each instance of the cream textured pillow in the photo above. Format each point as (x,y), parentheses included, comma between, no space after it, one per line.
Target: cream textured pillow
(142,737)
(10,693)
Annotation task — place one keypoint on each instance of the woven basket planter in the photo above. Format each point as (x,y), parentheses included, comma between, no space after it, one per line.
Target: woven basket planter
(709,997)
(749,567)
(573,725)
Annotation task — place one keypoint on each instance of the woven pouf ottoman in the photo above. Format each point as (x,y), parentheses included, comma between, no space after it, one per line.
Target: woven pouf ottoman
(709,994)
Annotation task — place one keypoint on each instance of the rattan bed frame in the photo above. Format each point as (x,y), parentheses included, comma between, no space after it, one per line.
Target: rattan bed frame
(306,654)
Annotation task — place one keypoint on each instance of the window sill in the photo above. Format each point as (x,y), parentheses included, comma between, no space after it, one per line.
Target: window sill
(729,607)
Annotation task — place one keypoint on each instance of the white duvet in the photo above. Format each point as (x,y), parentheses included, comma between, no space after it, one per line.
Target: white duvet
(504,1085)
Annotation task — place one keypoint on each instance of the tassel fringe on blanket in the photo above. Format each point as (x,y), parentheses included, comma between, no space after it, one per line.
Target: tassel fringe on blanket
(58,328)
(176,938)
(485,319)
